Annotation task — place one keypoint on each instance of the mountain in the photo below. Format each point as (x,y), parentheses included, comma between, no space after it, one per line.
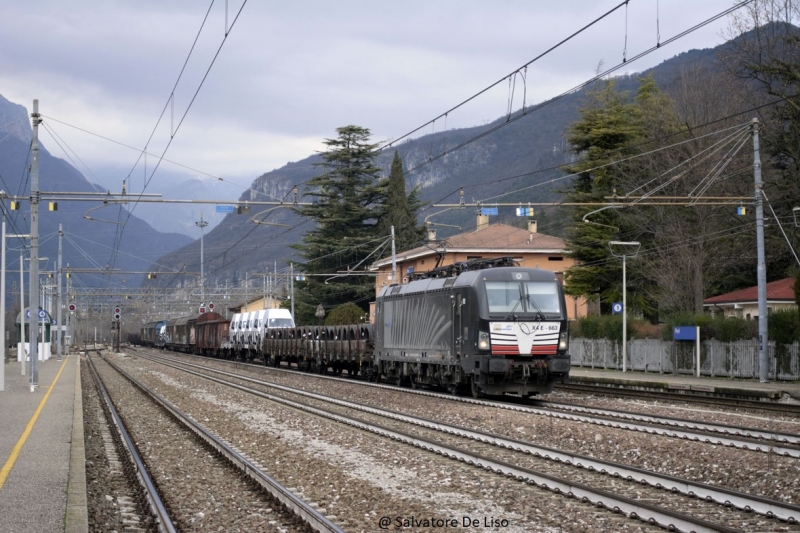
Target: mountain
(520,152)
(87,244)
(176,185)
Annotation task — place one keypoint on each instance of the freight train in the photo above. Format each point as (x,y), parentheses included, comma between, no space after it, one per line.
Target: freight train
(484,326)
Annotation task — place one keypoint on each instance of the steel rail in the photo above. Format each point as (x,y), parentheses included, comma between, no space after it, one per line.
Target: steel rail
(643,511)
(157,507)
(306,512)
(753,433)
(788,409)
(743,501)
(653,430)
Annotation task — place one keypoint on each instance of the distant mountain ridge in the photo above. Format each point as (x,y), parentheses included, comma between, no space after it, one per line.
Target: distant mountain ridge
(87,244)
(523,155)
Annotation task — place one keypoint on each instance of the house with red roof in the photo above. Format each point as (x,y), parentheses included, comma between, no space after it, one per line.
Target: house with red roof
(527,246)
(744,302)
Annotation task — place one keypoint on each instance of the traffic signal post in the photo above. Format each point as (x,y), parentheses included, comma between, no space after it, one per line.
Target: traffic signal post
(115,327)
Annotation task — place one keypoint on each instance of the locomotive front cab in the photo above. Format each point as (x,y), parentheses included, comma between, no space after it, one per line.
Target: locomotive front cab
(522,339)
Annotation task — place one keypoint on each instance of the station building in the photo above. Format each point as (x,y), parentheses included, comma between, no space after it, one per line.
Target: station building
(527,246)
(744,302)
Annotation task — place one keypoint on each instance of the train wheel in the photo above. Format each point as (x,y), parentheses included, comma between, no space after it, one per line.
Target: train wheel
(477,392)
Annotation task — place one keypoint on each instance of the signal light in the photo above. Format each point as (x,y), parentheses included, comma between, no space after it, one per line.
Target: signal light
(14,205)
(52,206)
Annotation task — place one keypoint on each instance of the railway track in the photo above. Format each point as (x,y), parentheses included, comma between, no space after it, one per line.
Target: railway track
(788,409)
(217,466)
(744,438)
(771,438)
(126,472)
(629,490)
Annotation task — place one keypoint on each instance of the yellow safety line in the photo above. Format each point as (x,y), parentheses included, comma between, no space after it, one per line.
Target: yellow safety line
(25,434)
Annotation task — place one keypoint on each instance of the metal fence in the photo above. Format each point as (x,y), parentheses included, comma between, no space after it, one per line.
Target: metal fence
(717,359)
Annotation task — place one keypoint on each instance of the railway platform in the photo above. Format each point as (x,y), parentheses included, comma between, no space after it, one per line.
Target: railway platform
(773,391)
(42,459)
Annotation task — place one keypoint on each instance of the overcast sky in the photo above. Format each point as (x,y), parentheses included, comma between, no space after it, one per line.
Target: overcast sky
(290,73)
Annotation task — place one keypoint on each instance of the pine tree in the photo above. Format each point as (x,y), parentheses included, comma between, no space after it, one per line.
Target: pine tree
(401,210)
(349,198)
(607,126)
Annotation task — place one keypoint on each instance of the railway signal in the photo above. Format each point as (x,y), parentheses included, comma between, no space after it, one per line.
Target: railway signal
(71,308)
(117,313)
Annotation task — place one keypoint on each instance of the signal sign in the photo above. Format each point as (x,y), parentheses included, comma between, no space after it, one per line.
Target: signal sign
(211,306)
(71,308)
(117,310)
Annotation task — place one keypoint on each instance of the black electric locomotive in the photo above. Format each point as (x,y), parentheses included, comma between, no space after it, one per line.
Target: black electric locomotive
(494,330)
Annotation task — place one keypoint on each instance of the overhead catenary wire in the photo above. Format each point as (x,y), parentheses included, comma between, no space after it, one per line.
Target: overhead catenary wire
(737,6)
(688,129)
(245,188)
(526,112)
(764,194)
(180,123)
(226,25)
(702,155)
(609,164)
(504,78)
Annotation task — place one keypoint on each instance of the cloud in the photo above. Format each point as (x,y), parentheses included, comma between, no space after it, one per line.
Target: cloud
(289,74)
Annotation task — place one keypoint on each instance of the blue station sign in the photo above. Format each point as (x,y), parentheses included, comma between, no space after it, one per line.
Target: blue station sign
(684,333)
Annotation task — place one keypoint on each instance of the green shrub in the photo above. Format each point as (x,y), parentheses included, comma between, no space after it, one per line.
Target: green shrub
(783,326)
(348,313)
(602,327)
(732,329)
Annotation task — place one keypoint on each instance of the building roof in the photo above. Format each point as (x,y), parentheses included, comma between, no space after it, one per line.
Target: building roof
(500,238)
(781,290)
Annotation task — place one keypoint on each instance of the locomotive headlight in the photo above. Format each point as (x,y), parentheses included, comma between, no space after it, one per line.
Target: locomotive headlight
(483,341)
(563,341)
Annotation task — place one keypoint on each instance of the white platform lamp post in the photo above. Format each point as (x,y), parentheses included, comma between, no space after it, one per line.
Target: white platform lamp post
(624,249)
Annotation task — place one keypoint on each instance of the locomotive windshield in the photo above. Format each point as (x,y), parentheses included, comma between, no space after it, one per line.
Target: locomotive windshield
(524,297)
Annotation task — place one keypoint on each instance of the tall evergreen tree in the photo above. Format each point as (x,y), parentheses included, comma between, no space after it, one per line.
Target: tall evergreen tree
(608,125)
(349,198)
(401,210)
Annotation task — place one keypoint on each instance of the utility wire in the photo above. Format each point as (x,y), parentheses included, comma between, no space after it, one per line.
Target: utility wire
(180,123)
(530,110)
(508,76)
(245,188)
